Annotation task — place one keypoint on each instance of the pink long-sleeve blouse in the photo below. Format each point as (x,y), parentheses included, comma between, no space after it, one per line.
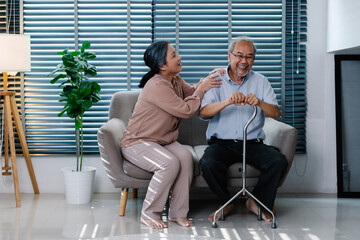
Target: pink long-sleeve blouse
(159,109)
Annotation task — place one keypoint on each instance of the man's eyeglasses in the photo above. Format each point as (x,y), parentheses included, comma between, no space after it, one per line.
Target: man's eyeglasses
(241,57)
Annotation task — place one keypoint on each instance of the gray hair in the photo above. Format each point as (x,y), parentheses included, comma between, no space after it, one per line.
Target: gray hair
(241,39)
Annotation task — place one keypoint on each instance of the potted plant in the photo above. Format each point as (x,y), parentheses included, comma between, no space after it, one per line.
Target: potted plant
(79,94)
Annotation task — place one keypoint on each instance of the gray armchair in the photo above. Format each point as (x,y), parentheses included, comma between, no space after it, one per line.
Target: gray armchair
(123,174)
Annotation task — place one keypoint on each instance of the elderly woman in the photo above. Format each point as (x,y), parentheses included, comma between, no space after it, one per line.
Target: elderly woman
(150,138)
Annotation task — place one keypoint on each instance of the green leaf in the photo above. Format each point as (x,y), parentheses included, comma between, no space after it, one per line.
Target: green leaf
(73,74)
(86,91)
(71,70)
(76,53)
(95,98)
(65,82)
(85,84)
(88,55)
(57,78)
(59,67)
(73,113)
(56,70)
(87,104)
(75,92)
(68,89)
(83,64)
(85,45)
(61,113)
(75,78)
(91,70)
(78,123)
(69,61)
(63,52)
(96,87)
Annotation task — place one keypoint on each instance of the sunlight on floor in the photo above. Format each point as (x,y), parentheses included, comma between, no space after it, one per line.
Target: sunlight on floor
(48,216)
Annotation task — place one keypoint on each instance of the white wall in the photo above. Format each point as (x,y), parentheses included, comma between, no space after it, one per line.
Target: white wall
(314,172)
(344,25)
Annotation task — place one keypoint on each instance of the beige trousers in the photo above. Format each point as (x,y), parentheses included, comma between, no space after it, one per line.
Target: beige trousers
(172,166)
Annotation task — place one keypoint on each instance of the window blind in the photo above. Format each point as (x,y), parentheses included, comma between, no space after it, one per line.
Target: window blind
(51,26)
(3,27)
(200,30)
(120,31)
(104,24)
(294,97)
(3,14)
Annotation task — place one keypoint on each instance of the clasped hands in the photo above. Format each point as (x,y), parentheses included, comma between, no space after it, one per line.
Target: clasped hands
(239,99)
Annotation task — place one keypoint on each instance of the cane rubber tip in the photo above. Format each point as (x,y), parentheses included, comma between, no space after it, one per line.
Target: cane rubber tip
(273,225)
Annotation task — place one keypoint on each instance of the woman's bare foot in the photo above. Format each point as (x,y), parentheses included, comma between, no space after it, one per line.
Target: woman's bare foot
(182,221)
(226,209)
(156,224)
(254,208)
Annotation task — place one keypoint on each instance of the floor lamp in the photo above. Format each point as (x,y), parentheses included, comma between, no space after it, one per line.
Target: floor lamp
(14,57)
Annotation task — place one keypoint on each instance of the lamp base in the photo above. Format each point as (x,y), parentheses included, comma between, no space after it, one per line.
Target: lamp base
(6,169)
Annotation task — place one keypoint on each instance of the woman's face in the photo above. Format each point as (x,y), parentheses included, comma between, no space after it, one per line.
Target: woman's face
(173,61)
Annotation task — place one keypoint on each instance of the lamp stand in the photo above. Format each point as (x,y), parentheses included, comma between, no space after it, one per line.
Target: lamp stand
(11,113)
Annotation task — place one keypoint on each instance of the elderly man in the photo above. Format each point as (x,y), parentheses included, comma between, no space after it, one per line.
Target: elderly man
(227,109)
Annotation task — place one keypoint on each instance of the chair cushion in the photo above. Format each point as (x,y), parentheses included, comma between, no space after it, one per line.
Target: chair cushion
(196,159)
(136,172)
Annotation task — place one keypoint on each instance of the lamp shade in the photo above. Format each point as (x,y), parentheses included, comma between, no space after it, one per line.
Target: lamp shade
(14,53)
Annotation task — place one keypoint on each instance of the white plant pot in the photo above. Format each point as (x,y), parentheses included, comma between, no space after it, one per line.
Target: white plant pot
(79,185)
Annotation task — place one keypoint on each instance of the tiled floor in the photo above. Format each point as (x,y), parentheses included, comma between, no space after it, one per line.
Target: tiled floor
(48,216)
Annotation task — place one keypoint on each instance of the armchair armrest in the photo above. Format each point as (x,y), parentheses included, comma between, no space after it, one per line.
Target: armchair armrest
(282,136)
(109,137)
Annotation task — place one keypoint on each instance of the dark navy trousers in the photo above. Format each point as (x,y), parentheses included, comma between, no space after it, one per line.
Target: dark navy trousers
(221,154)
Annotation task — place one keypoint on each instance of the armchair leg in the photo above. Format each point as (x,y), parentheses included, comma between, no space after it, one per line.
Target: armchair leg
(135,193)
(123,199)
